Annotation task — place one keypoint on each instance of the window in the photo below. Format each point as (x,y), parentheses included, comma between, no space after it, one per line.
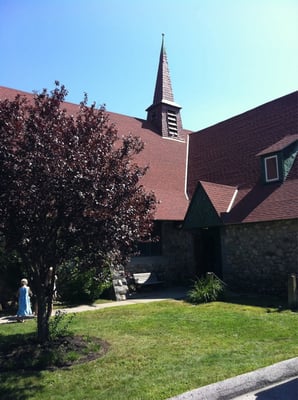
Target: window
(172,123)
(278,159)
(271,168)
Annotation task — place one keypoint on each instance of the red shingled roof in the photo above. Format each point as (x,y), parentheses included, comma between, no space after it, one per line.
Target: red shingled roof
(223,157)
(280,145)
(165,157)
(277,201)
(228,153)
(221,196)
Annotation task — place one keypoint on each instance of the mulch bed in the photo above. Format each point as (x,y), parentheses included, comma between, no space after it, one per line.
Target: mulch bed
(62,352)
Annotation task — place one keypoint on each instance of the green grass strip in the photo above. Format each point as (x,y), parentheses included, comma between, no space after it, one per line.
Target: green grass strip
(161,349)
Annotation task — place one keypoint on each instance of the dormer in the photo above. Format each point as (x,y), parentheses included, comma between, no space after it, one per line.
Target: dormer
(164,113)
(278,159)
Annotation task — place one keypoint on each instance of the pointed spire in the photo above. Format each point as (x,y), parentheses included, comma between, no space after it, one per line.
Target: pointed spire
(164,113)
(163,87)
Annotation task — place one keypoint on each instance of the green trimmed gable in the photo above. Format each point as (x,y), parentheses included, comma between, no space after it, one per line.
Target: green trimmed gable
(289,157)
(201,212)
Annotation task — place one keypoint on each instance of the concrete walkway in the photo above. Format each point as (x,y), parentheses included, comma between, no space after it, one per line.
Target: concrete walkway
(172,293)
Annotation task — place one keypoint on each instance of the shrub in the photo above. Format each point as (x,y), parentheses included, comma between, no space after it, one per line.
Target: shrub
(76,285)
(206,289)
(59,325)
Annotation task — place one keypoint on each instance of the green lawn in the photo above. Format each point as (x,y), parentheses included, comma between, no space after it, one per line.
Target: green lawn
(161,349)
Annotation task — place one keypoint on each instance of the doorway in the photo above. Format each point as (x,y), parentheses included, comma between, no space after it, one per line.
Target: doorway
(208,255)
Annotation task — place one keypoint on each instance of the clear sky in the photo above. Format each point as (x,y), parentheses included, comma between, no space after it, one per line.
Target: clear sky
(225,56)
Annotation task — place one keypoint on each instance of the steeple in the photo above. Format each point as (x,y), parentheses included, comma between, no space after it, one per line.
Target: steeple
(164,113)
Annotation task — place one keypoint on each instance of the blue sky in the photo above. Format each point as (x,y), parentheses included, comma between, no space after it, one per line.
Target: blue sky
(225,56)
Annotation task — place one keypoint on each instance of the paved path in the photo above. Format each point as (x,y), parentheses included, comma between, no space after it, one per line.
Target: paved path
(175,293)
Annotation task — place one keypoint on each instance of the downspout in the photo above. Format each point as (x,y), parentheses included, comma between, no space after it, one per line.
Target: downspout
(186,167)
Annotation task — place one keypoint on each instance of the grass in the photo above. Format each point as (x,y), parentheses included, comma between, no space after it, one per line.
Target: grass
(158,350)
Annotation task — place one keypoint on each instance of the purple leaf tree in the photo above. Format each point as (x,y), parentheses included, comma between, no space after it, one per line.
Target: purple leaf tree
(69,187)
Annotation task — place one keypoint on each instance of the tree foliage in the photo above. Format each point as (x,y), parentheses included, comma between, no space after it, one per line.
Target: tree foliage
(69,188)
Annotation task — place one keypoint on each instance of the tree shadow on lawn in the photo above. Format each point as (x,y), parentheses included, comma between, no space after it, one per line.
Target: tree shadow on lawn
(15,383)
(19,385)
(276,303)
(22,358)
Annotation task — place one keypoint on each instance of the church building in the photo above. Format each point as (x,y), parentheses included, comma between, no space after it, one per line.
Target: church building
(227,194)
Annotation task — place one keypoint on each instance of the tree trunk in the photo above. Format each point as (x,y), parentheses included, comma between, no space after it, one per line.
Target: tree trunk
(44,303)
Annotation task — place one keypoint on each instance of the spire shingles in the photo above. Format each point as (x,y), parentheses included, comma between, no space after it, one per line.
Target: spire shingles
(164,113)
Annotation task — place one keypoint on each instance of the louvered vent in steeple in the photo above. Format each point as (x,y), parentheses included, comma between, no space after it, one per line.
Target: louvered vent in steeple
(164,113)
(172,123)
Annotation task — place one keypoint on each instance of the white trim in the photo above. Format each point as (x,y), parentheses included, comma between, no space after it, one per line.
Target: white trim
(232,201)
(177,139)
(186,167)
(170,103)
(276,165)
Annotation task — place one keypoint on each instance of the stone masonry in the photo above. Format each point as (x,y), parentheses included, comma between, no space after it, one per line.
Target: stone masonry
(176,263)
(259,257)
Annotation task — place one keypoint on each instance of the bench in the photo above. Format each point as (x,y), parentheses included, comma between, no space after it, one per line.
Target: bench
(146,279)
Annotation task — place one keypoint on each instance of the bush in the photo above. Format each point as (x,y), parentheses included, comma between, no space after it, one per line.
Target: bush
(76,285)
(59,325)
(206,289)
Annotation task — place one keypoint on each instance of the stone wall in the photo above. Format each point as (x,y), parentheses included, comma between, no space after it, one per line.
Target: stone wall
(176,263)
(259,257)
(119,282)
(178,248)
